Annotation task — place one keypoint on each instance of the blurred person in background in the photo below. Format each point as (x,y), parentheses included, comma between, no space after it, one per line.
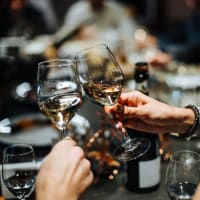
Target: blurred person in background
(105,20)
(20,23)
(24,26)
(47,8)
(180,42)
(20,18)
(145,12)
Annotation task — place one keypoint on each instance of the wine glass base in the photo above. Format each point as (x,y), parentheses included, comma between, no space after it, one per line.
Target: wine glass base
(132,149)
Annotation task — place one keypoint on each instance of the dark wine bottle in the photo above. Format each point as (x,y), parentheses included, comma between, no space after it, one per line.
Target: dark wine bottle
(143,174)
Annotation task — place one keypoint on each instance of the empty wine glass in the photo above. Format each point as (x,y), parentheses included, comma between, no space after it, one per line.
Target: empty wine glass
(19,170)
(59,93)
(182,175)
(102,80)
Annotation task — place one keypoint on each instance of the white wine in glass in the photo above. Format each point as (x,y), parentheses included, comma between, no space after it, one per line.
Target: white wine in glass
(59,93)
(19,170)
(102,80)
(183,174)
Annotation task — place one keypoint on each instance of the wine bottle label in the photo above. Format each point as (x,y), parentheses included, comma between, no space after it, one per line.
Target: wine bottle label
(149,173)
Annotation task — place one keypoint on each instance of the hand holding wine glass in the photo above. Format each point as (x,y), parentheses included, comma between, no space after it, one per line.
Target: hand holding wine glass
(59,94)
(102,80)
(19,170)
(183,175)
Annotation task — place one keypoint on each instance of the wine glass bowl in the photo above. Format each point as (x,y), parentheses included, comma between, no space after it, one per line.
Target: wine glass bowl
(183,174)
(59,94)
(19,170)
(100,74)
(102,80)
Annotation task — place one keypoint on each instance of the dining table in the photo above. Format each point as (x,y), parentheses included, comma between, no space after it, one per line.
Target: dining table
(167,86)
(114,188)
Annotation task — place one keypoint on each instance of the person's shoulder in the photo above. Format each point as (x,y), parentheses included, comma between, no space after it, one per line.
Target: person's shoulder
(77,12)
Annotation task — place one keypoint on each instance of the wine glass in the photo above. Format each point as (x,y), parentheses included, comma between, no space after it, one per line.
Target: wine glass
(102,80)
(182,175)
(59,93)
(19,170)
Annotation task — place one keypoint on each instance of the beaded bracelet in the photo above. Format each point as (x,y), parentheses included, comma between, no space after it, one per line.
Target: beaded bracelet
(195,124)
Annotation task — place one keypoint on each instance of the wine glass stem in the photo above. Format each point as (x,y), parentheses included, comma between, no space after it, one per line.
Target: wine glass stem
(126,136)
(128,145)
(62,133)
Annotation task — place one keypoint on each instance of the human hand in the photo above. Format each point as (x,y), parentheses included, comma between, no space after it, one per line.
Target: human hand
(147,40)
(160,60)
(65,173)
(149,115)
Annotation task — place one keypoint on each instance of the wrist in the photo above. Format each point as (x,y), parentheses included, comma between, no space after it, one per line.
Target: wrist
(184,119)
(194,116)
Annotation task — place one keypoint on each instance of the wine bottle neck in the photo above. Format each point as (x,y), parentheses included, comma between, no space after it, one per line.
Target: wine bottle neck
(141,77)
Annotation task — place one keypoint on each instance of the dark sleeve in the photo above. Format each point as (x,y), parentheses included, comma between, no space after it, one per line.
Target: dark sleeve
(184,42)
(189,54)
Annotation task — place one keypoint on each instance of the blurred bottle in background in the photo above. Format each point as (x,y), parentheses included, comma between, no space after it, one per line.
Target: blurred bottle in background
(143,174)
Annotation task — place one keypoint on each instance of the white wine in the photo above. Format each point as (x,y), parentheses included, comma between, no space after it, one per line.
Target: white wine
(21,184)
(182,190)
(103,93)
(61,108)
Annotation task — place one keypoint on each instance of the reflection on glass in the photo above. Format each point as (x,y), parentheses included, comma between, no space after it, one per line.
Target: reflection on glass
(59,94)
